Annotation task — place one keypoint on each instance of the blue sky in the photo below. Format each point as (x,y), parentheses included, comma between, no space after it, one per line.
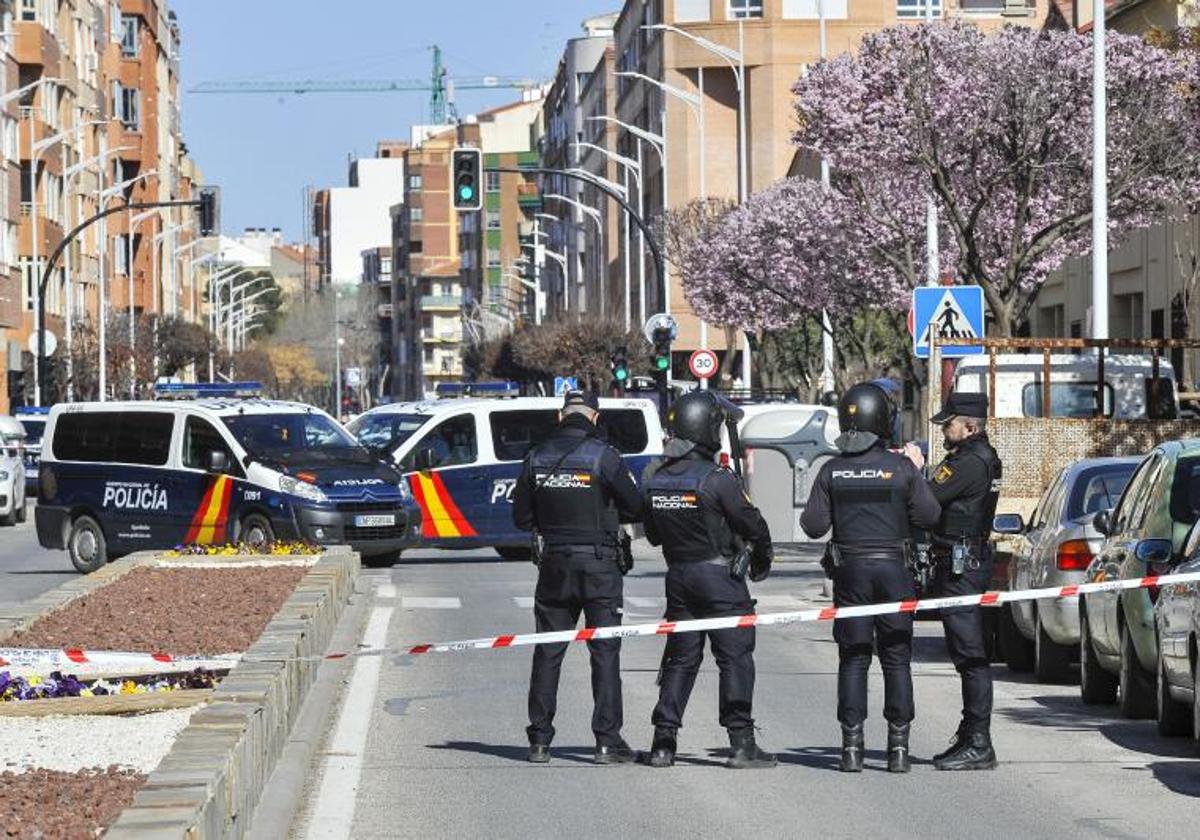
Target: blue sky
(263,149)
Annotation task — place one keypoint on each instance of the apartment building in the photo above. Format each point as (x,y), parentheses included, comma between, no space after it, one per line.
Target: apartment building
(10,211)
(377,277)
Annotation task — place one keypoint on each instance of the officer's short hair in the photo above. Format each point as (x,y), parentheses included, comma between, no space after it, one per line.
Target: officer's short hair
(579,408)
(976,424)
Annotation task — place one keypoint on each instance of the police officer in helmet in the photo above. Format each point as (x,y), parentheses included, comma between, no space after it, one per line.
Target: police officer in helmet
(700,514)
(872,498)
(967,484)
(575,491)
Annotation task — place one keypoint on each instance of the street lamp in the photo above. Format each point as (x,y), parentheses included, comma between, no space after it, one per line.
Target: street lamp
(636,168)
(132,222)
(593,214)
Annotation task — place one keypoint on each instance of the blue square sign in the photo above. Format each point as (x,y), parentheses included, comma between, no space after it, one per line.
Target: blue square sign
(947,312)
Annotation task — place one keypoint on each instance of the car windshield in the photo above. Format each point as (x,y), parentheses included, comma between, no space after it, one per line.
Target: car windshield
(33,431)
(1098,488)
(292,437)
(386,430)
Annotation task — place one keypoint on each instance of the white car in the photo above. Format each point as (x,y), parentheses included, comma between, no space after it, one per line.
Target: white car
(12,471)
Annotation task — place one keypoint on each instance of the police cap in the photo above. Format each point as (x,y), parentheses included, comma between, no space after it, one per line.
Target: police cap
(962,404)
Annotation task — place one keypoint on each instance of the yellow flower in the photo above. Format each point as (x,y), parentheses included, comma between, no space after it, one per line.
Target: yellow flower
(35,680)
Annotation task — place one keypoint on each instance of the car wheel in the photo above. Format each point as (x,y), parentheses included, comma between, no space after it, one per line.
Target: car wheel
(1096,685)
(381,561)
(256,531)
(513,552)
(86,545)
(1018,651)
(1174,718)
(1052,661)
(1136,695)
(21,511)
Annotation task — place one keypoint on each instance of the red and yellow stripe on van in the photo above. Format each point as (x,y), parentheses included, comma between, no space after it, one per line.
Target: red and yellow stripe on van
(208,525)
(440,517)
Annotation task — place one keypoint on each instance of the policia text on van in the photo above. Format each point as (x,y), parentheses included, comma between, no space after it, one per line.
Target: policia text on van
(121,477)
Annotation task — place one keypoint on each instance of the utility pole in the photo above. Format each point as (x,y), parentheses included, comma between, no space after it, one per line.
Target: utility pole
(1099,175)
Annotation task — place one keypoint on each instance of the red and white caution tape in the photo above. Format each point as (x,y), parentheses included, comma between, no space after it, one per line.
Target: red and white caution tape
(115,660)
(121,660)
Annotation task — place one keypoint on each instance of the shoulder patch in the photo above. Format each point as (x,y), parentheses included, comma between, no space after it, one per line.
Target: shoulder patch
(942,474)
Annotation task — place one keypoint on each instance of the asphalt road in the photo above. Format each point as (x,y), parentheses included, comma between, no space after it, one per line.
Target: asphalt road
(434,746)
(26,569)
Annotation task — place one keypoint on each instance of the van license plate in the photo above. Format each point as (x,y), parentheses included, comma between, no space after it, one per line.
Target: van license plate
(377,521)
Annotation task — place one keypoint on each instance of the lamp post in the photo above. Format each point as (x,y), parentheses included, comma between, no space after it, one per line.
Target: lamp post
(593,214)
(132,222)
(1099,174)
(633,167)
(225,275)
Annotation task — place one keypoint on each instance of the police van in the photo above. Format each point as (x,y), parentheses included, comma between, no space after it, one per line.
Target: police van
(125,476)
(33,419)
(461,458)
(12,471)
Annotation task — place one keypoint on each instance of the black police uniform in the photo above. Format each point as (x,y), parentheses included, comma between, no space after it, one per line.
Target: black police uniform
(694,509)
(871,499)
(585,492)
(967,485)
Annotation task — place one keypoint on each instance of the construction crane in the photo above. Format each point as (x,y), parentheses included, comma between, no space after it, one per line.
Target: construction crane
(441,89)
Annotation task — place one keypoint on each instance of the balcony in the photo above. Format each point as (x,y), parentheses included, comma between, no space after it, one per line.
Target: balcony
(442,369)
(444,303)
(453,336)
(529,197)
(36,46)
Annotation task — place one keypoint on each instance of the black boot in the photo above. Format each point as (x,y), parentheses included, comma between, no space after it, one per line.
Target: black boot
(662,750)
(539,753)
(852,749)
(957,741)
(974,753)
(898,748)
(745,754)
(618,753)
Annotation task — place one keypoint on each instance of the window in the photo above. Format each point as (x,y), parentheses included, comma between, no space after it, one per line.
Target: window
(515,432)
(416,214)
(114,20)
(142,437)
(129,36)
(624,429)
(493,220)
(291,438)
(745,9)
(1047,503)
(414,182)
(1098,489)
(1185,491)
(127,104)
(1067,399)
(918,8)
(691,11)
(385,267)
(199,439)
(11,129)
(1133,492)
(29,9)
(981,7)
(808,10)
(452,443)
(491,181)
(386,431)
(85,437)
(493,257)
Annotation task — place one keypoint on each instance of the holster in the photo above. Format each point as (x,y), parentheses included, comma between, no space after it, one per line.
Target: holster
(537,547)
(739,564)
(831,559)
(624,553)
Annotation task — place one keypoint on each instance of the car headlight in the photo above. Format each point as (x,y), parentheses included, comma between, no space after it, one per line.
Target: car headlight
(405,491)
(3,475)
(301,488)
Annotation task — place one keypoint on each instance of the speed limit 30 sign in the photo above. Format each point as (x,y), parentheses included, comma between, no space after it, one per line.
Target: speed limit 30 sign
(703,364)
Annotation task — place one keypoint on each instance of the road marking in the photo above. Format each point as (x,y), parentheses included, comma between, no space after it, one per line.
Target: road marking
(524,602)
(779,600)
(636,601)
(385,590)
(333,814)
(410,603)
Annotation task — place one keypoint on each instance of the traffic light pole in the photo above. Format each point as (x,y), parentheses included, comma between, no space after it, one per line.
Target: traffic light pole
(660,377)
(40,361)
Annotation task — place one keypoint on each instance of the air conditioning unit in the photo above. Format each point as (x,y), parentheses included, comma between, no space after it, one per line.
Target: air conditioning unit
(1017,8)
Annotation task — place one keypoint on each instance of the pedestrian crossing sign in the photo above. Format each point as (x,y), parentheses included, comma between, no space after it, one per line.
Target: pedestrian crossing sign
(947,312)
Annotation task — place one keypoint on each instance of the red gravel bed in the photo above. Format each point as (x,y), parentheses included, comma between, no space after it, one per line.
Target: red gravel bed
(176,611)
(51,804)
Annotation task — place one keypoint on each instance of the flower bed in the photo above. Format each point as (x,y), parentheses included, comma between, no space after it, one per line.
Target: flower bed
(276,549)
(54,804)
(58,685)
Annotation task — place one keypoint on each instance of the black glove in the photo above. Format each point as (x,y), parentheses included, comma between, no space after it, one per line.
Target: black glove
(625,553)
(760,562)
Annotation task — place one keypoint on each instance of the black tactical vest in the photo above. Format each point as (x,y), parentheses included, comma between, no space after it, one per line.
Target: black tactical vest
(869,499)
(970,516)
(570,503)
(688,530)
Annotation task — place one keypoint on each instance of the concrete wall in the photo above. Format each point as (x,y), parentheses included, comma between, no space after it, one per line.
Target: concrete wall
(359,214)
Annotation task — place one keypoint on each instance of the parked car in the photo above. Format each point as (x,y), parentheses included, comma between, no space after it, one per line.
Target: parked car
(12,471)
(34,420)
(1177,618)
(1118,641)
(1055,549)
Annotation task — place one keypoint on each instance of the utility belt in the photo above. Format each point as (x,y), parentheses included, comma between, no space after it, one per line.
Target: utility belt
(738,565)
(838,555)
(965,554)
(620,541)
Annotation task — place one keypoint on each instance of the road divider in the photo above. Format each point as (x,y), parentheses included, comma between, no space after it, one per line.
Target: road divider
(627,631)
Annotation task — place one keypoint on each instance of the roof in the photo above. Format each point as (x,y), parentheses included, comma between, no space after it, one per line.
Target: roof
(444,406)
(218,407)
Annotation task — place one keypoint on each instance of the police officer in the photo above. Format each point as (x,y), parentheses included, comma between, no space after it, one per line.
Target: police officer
(574,491)
(967,485)
(872,498)
(699,513)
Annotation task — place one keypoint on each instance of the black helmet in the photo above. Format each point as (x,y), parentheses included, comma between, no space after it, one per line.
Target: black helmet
(865,417)
(697,417)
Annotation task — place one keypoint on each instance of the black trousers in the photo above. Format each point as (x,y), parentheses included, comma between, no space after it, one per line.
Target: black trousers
(574,580)
(861,581)
(705,590)
(964,640)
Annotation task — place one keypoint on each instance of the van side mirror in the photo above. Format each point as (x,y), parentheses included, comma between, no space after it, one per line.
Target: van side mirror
(217,461)
(1153,551)
(423,459)
(1008,523)
(1102,521)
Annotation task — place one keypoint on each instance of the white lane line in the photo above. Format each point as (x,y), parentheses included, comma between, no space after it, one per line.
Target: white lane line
(636,601)
(385,590)
(524,602)
(412,603)
(333,814)
(777,600)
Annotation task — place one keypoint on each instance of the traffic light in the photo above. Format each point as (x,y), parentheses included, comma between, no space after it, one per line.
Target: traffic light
(466,169)
(662,349)
(210,211)
(620,367)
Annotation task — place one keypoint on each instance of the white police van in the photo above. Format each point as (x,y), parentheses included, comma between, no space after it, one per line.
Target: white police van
(461,458)
(125,476)
(12,471)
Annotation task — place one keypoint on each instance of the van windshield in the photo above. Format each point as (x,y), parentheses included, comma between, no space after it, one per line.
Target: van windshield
(385,430)
(291,437)
(33,431)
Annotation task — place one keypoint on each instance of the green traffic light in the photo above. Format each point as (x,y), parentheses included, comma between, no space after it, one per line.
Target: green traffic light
(662,363)
(621,374)
(466,192)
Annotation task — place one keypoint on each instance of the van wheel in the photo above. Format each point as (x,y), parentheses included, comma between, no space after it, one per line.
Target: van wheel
(1136,698)
(513,552)
(1052,661)
(256,531)
(1096,686)
(86,545)
(1174,718)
